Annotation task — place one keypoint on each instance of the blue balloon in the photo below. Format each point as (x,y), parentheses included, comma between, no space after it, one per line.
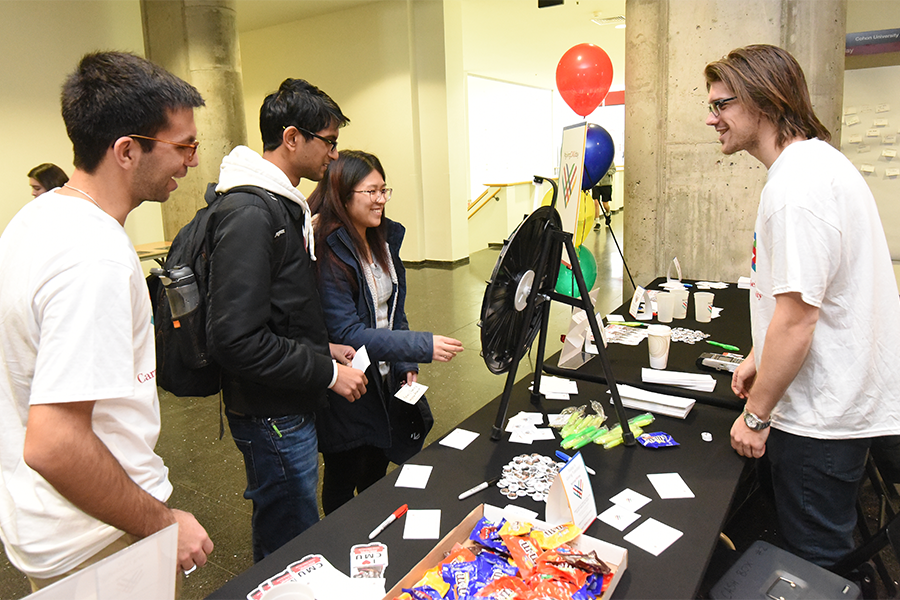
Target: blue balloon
(599,152)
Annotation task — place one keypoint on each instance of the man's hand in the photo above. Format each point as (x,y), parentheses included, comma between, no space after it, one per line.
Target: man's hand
(411,377)
(194,544)
(747,442)
(341,353)
(743,377)
(445,348)
(351,383)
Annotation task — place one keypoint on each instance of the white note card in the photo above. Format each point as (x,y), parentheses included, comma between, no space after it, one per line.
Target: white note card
(653,536)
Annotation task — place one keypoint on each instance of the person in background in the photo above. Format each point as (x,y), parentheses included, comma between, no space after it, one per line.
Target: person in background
(362,284)
(78,395)
(46,177)
(824,310)
(602,192)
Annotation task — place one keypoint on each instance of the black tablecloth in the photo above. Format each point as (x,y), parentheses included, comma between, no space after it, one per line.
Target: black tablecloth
(732,327)
(710,469)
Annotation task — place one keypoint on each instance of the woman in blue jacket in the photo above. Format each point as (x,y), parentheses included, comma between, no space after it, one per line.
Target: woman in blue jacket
(362,284)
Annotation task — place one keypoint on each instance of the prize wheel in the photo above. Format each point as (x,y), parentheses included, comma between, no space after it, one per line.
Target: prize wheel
(503,311)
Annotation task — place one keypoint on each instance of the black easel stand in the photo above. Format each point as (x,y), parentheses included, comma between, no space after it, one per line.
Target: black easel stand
(557,237)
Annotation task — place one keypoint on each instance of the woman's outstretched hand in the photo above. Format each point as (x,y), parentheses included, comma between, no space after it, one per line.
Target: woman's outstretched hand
(446,348)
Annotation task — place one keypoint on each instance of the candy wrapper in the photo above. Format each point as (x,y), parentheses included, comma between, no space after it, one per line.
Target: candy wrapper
(656,440)
(487,533)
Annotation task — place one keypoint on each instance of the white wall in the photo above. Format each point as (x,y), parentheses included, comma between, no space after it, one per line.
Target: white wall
(41,42)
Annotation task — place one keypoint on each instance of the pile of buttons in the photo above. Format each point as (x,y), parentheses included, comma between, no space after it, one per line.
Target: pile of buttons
(688,336)
(528,475)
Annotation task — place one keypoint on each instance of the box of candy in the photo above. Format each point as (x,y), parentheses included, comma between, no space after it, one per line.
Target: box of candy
(494,554)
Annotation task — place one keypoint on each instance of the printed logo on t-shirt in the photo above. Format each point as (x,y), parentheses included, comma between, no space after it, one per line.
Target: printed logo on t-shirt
(145,377)
(753,259)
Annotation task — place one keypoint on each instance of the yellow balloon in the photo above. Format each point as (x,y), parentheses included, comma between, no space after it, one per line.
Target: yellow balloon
(585,215)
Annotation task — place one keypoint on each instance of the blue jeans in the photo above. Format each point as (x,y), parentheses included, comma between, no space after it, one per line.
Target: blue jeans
(816,483)
(282,463)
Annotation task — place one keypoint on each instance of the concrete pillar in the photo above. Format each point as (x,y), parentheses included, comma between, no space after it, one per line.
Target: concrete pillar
(197,40)
(437,83)
(683,197)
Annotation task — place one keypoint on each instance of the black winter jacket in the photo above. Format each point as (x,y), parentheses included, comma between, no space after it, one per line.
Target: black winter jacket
(265,323)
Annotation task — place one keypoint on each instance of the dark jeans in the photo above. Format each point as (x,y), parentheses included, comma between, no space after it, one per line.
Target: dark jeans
(816,483)
(282,463)
(349,471)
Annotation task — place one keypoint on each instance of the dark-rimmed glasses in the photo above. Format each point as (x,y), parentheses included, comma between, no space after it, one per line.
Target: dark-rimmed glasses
(375,194)
(192,147)
(332,143)
(716,106)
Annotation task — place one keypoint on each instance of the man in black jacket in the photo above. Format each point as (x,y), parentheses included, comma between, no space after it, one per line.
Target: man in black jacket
(265,326)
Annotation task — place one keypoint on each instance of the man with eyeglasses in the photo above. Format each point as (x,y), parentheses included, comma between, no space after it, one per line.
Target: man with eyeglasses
(265,326)
(78,395)
(824,307)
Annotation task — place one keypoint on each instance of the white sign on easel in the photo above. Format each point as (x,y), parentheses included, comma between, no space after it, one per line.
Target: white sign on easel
(641,307)
(571,166)
(571,497)
(574,352)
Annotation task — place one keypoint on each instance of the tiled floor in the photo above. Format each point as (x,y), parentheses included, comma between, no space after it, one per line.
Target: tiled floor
(208,473)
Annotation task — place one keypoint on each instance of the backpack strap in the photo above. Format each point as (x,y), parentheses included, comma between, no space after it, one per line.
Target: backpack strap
(267,197)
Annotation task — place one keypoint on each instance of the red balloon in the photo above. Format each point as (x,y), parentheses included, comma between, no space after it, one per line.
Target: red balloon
(583,77)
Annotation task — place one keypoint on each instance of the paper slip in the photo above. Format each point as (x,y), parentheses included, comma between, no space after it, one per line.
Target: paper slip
(422,525)
(361,359)
(459,439)
(528,434)
(414,476)
(663,404)
(744,283)
(630,499)
(411,392)
(614,319)
(670,485)
(689,381)
(618,516)
(653,536)
(556,385)
(715,285)
(558,420)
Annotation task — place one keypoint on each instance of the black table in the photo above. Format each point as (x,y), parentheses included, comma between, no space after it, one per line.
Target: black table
(710,469)
(732,327)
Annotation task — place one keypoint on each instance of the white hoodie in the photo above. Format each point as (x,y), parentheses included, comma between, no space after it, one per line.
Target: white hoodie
(245,167)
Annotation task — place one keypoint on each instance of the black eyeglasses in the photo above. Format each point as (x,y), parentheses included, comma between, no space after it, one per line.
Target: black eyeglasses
(716,106)
(192,147)
(332,143)
(375,194)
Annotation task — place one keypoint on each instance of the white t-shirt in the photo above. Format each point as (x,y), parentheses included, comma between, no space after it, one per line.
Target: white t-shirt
(77,326)
(818,233)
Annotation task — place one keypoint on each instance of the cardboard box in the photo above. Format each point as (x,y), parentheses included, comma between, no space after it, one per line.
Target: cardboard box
(614,556)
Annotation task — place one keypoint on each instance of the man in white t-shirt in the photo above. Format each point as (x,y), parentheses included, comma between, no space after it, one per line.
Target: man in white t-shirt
(78,397)
(824,307)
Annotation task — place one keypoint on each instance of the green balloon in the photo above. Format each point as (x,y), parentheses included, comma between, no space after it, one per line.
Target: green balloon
(565,282)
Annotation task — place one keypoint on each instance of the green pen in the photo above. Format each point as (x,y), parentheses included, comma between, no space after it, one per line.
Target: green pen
(728,347)
(275,427)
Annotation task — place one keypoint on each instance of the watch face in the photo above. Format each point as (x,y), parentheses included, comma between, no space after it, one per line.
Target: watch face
(753,423)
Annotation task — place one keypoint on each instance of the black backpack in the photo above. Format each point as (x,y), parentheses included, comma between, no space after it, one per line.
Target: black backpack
(183,364)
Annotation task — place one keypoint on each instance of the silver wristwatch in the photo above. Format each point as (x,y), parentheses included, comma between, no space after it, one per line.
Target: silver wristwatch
(754,422)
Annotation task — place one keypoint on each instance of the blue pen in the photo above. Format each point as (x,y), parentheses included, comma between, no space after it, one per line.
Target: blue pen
(563,456)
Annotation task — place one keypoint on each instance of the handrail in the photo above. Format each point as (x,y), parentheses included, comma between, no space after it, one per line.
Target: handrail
(473,209)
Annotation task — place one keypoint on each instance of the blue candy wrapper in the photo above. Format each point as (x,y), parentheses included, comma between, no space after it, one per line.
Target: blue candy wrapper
(656,440)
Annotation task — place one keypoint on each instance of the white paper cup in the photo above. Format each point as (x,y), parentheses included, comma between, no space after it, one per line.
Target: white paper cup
(665,307)
(703,302)
(658,338)
(681,302)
